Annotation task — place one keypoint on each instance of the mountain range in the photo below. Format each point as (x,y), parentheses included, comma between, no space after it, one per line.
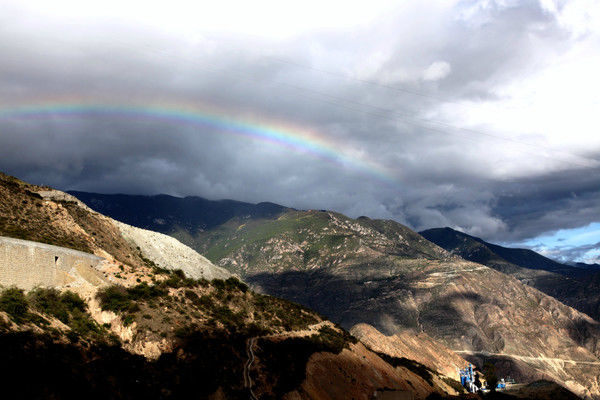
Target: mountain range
(155,319)
(481,303)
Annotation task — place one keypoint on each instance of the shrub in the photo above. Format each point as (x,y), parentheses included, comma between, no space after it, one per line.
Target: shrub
(143,291)
(178,279)
(119,299)
(114,298)
(14,303)
(128,320)
(60,306)
(234,283)
(83,324)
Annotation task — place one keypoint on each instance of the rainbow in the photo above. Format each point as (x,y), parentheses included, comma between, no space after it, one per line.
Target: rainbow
(280,134)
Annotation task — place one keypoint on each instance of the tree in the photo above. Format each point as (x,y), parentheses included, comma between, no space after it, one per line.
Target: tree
(489,371)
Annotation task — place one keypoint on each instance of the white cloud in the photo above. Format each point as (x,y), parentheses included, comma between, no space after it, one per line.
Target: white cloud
(436,71)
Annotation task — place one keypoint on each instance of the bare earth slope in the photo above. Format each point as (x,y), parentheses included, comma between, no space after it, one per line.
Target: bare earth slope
(383,274)
(415,346)
(578,287)
(158,326)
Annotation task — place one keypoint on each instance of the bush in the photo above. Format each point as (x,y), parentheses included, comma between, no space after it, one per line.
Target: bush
(60,306)
(14,303)
(119,299)
(331,340)
(114,298)
(83,324)
(67,307)
(234,283)
(177,279)
(143,291)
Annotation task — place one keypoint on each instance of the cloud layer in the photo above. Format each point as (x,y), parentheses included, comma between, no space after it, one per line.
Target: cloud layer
(484,114)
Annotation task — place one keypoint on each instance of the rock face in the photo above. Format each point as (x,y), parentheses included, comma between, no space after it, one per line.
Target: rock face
(169,253)
(415,346)
(576,286)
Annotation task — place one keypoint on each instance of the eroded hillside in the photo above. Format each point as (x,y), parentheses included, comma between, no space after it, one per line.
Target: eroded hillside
(383,274)
(41,214)
(160,324)
(578,287)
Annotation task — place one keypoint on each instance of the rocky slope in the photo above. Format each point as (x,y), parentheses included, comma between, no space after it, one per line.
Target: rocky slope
(161,324)
(413,345)
(50,216)
(382,273)
(576,286)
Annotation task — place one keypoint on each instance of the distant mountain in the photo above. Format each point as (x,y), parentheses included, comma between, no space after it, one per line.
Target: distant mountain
(384,274)
(475,249)
(165,214)
(577,286)
(586,266)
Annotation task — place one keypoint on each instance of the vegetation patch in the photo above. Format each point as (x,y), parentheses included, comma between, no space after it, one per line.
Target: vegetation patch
(286,359)
(67,307)
(454,384)
(14,303)
(290,315)
(416,367)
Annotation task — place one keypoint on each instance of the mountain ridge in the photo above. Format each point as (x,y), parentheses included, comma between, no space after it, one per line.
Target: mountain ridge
(576,287)
(384,274)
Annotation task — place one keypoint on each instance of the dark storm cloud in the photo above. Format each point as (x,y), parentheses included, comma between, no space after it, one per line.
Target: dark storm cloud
(442,176)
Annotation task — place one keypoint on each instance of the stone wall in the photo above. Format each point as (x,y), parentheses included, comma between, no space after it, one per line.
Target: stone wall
(27,264)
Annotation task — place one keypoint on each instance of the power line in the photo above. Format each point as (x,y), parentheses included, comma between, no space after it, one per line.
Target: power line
(383,113)
(366,81)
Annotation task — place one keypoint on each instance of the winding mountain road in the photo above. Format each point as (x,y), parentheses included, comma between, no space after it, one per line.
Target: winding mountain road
(247,378)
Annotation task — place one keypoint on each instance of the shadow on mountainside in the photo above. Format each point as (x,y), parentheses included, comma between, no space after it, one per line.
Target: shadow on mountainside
(389,304)
(394,303)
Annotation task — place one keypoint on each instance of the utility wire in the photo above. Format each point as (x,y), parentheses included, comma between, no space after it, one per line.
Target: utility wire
(397,116)
(381,112)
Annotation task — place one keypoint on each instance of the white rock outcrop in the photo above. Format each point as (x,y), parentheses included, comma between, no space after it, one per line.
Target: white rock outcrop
(169,253)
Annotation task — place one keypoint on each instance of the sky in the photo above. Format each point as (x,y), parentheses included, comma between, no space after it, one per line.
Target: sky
(478,115)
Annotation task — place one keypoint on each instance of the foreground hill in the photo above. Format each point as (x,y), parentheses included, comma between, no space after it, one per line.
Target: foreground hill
(577,286)
(384,274)
(163,322)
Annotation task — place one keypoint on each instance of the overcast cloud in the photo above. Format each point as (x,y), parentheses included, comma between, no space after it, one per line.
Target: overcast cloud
(482,115)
